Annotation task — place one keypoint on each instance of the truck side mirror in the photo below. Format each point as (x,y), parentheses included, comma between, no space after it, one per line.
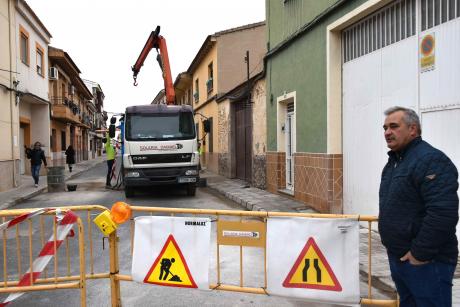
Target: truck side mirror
(113,120)
(207,126)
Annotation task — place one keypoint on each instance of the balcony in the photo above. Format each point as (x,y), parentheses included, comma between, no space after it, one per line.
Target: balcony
(196,96)
(64,110)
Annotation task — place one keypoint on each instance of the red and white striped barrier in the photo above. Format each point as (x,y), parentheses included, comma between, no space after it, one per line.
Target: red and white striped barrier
(23,217)
(62,230)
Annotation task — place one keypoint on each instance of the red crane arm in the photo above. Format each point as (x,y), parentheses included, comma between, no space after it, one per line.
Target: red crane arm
(159,43)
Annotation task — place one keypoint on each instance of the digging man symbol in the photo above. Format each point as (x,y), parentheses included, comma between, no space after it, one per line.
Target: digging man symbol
(165,270)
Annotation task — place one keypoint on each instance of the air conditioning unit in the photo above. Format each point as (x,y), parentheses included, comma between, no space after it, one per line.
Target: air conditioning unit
(72,90)
(53,73)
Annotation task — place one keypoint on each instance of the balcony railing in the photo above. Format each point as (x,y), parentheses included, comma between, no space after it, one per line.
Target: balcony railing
(65,109)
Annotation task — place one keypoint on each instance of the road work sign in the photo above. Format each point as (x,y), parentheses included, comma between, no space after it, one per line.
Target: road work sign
(315,259)
(172,251)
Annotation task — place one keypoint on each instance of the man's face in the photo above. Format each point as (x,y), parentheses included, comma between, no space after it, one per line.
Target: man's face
(36,146)
(397,133)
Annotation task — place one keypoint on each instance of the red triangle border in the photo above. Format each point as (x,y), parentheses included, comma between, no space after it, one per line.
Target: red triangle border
(311,242)
(170,239)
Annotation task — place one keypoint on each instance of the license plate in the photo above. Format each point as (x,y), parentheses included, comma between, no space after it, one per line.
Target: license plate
(185,179)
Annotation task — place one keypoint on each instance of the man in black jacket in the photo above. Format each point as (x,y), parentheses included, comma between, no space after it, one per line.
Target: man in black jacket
(36,156)
(418,213)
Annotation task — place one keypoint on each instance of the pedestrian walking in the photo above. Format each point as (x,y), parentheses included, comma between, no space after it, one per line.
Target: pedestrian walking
(110,154)
(418,213)
(36,156)
(70,157)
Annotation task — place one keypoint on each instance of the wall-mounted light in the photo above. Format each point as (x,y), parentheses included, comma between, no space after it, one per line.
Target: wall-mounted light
(18,94)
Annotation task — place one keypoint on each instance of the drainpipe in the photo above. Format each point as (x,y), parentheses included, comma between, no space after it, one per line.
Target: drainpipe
(12,103)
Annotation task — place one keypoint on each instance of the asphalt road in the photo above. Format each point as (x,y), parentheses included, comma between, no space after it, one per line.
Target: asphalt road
(91,190)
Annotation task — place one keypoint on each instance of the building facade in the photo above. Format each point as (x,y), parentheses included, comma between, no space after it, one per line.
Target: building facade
(333,67)
(32,40)
(98,119)
(242,132)
(9,118)
(72,108)
(213,73)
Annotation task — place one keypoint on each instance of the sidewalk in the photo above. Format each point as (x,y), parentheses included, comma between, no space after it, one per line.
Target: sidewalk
(27,190)
(260,200)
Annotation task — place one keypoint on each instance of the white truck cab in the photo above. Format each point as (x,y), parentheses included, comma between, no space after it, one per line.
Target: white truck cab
(160,147)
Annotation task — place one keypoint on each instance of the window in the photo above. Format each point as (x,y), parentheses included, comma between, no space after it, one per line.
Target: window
(159,126)
(387,26)
(196,95)
(40,60)
(24,45)
(63,141)
(435,12)
(210,83)
(53,140)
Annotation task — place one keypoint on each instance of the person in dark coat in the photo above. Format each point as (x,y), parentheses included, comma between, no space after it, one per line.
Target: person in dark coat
(70,157)
(418,213)
(36,156)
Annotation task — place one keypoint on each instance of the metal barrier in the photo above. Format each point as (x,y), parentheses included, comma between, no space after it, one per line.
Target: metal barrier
(88,212)
(9,284)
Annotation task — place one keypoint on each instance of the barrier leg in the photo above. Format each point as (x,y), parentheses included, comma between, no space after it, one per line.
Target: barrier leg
(81,248)
(114,270)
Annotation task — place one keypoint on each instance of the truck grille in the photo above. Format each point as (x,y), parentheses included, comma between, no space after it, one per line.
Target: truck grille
(164,158)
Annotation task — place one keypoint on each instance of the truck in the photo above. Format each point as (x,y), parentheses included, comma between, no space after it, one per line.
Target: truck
(159,141)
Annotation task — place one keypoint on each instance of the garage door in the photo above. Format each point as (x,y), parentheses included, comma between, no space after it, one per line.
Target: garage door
(382,67)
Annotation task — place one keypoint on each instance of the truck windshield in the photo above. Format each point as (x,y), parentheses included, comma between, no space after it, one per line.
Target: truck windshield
(160,126)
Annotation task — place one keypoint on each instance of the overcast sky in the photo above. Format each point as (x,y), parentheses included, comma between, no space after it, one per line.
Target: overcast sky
(104,38)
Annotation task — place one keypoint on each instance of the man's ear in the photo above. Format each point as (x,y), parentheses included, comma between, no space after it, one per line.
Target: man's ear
(413,130)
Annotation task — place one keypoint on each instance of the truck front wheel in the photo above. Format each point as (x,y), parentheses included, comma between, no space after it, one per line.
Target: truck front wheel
(129,192)
(191,189)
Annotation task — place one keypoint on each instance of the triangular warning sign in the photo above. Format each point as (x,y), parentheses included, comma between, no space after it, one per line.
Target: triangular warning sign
(170,268)
(311,270)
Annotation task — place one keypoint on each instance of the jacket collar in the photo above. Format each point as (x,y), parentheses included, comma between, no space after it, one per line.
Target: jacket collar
(401,154)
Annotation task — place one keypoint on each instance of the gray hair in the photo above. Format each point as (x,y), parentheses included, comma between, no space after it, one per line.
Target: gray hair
(410,116)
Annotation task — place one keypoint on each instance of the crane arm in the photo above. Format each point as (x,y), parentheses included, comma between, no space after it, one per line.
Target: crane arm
(159,43)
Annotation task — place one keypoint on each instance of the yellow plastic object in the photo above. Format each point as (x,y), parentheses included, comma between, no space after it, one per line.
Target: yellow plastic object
(120,212)
(105,222)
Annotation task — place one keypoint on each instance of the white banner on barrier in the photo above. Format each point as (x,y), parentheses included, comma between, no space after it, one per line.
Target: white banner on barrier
(172,251)
(315,259)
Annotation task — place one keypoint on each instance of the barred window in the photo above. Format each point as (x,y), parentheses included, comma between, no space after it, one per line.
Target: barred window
(387,26)
(436,12)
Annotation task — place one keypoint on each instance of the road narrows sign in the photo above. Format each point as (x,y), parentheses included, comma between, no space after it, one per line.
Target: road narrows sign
(170,268)
(311,270)
(315,259)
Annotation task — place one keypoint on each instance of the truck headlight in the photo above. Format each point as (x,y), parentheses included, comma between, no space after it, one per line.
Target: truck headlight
(191,172)
(132,174)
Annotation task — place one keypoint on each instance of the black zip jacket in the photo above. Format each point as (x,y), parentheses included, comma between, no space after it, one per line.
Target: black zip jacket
(36,156)
(419,203)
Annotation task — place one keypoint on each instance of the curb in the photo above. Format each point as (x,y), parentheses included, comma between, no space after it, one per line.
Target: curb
(40,190)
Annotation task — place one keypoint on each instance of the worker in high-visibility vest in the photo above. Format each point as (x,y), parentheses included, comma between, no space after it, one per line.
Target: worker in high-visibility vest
(110,154)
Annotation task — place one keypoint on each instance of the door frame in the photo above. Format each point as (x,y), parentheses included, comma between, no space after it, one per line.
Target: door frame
(282,113)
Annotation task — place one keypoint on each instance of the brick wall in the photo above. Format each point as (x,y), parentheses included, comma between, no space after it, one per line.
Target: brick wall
(276,171)
(317,179)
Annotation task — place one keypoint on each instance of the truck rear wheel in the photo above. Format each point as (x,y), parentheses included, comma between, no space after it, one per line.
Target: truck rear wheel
(191,189)
(129,192)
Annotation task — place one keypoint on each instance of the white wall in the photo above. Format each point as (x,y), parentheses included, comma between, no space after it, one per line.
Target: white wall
(30,80)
